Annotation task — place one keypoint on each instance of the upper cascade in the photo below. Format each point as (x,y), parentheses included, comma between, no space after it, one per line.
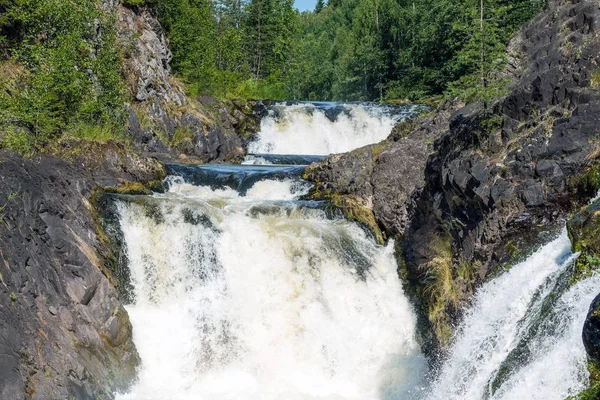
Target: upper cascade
(326,128)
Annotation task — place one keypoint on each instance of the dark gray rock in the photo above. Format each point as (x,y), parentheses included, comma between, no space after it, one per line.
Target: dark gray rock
(496,178)
(591,331)
(63,330)
(385,175)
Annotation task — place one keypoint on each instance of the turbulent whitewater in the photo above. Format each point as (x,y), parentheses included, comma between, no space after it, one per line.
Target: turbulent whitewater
(243,289)
(326,128)
(522,337)
(255,297)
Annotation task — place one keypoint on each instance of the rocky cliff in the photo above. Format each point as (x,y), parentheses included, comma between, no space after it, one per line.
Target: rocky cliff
(63,331)
(163,120)
(479,186)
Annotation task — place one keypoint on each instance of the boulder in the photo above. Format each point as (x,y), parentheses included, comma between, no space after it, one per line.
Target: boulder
(591,331)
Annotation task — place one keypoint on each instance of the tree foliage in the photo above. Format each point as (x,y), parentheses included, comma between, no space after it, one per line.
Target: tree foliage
(60,62)
(60,66)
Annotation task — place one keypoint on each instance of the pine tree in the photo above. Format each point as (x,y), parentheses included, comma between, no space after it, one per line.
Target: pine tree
(320,5)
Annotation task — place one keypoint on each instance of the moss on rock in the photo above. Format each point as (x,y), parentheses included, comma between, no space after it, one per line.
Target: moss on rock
(584,231)
(355,209)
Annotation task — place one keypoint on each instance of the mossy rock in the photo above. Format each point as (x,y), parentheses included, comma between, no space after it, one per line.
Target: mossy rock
(354,209)
(593,391)
(584,232)
(584,229)
(587,183)
(136,188)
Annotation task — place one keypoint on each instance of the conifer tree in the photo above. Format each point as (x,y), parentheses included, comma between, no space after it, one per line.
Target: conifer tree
(320,5)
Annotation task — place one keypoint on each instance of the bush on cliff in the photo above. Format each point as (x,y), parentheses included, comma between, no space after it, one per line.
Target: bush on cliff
(59,68)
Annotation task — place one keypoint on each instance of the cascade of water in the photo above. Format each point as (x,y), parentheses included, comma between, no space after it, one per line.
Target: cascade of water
(242,305)
(322,129)
(244,291)
(521,339)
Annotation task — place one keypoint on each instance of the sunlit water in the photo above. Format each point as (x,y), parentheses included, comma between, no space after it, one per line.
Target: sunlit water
(242,290)
(325,128)
(233,304)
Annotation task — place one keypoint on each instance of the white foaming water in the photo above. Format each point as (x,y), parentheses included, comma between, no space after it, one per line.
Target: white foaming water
(306,129)
(558,368)
(230,304)
(508,312)
(254,160)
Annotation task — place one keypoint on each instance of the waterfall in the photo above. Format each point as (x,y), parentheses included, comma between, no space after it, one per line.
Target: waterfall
(244,289)
(326,128)
(521,339)
(259,297)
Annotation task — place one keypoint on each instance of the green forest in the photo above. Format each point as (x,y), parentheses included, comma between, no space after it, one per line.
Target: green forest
(343,50)
(60,61)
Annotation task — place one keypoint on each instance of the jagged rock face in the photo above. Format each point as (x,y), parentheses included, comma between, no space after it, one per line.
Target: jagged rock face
(497,176)
(148,57)
(162,120)
(387,174)
(63,331)
(504,174)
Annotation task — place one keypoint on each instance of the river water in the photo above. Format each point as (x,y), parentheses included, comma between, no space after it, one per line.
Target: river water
(241,289)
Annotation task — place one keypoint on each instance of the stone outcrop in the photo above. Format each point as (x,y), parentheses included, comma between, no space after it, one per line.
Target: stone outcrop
(163,121)
(498,175)
(63,330)
(385,175)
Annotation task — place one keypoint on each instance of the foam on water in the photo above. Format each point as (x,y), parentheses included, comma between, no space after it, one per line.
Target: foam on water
(308,129)
(231,305)
(501,319)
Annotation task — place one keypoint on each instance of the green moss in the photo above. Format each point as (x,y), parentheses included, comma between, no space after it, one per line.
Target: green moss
(593,391)
(130,187)
(441,294)
(355,209)
(587,183)
(378,149)
(584,232)
(595,81)
(585,266)
(182,136)
(18,141)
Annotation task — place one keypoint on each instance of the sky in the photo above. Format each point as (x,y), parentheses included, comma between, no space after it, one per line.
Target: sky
(305,5)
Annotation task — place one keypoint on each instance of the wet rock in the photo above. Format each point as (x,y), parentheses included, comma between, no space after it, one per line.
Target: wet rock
(385,175)
(489,181)
(591,331)
(63,330)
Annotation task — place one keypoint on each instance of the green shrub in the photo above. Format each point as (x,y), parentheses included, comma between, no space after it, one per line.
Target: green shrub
(66,52)
(18,141)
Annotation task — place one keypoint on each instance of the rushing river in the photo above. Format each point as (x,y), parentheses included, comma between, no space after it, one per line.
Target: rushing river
(243,290)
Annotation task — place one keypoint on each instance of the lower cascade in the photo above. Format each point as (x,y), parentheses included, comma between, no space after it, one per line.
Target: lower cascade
(241,288)
(263,296)
(522,337)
